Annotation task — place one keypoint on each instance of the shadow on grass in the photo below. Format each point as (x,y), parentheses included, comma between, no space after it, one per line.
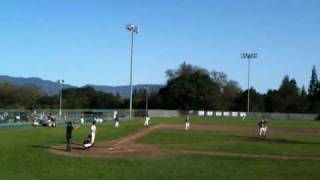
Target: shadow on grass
(272,140)
(74,146)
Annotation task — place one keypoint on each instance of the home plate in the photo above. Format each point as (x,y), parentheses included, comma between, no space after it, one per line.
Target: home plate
(110,148)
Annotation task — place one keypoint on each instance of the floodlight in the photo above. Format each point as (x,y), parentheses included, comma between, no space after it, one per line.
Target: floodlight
(248,56)
(134,30)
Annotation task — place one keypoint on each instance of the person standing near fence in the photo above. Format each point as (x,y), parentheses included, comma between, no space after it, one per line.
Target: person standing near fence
(82,118)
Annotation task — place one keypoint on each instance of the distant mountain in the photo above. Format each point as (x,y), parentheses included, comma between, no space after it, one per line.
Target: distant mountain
(124,91)
(52,88)
(48,87)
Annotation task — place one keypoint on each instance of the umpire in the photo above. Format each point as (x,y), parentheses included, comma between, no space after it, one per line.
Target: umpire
(69,130)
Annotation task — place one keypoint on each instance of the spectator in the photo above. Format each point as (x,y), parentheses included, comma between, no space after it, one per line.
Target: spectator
(35,123)
(82,118)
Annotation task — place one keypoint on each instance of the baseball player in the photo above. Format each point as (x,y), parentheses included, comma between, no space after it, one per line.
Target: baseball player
(116,119)
(69,130)
(87,142)
(187,120)
(146,122)
(262,127)
(93,130)
(265,126)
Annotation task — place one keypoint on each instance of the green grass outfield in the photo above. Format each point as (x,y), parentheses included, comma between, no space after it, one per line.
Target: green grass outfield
(24,153)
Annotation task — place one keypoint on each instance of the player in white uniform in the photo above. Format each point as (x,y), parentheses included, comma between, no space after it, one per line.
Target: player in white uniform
(116,119)
(93,130)
(187,122)
(87,142)
(35,123)
(146,121)
(263,125)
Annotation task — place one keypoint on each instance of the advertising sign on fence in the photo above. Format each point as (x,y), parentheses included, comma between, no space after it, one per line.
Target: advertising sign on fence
(201,113)
(234,114)
(209,113)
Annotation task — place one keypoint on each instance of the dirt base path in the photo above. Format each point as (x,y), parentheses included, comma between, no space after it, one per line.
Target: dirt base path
(127,146)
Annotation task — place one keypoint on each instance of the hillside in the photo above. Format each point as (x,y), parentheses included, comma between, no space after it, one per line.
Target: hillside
(52,88)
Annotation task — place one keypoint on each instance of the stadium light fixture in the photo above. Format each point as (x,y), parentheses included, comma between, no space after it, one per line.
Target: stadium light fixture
(248,56)
(60,96)
(134,30)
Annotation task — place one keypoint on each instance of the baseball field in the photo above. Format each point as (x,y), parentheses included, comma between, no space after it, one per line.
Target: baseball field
(211,149)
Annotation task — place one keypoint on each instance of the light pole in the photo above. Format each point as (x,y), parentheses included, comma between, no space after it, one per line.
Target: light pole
(134,30)
(146,88)
(60,96)
(248,56)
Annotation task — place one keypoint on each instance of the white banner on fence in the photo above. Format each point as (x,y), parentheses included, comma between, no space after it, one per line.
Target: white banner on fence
(218,113)
(209,113)
(226,114)
(201,113)
(234,114)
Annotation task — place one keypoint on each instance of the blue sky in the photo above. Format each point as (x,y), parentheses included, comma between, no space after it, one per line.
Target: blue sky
(85,42)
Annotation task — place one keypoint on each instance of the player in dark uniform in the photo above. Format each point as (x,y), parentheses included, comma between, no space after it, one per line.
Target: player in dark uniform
(69,130)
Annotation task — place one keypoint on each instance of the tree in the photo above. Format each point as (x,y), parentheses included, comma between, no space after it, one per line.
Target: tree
(256,101)
(190,87)
(303,101)
(230,92)
(287,98)
(220,78)
(139,99)
(314,83)
(273,101)
(88,97)
(289,92)
(28,96)
(230,89)
(314,92)
(24,97)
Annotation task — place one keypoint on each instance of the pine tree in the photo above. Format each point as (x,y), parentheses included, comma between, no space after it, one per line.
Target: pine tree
(303,91)
(314,92)
(317,92)
(314,83)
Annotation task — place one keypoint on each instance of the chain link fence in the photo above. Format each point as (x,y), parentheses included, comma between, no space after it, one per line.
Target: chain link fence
(15,117)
